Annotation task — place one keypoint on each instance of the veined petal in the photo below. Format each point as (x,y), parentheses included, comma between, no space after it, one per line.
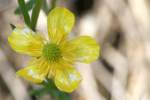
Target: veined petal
(60,22)
(54,66)
(67,79)
(87,50)
(36,72)
(24,40)
(68,51)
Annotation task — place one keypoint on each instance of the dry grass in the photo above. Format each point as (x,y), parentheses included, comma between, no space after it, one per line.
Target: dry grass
(122,28)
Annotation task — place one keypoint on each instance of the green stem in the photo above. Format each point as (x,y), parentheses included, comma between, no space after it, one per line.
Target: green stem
(55,93)
(24,12)
(45,7)
(53,4)
(35,13)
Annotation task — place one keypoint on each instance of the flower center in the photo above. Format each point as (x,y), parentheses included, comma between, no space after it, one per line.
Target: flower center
(51,52)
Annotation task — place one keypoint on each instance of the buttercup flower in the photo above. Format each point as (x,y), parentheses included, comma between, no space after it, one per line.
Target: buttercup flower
(55,57)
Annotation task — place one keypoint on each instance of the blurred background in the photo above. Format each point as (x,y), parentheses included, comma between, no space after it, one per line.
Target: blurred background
(122,29)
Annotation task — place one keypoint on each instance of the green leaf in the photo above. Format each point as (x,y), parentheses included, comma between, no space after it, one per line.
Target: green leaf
(38,92)
(29,5)
(24,12)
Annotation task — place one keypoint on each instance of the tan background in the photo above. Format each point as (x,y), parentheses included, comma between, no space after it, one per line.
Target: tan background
(122,28)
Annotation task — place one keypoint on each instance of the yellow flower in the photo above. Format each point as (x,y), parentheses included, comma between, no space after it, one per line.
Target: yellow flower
(54,58)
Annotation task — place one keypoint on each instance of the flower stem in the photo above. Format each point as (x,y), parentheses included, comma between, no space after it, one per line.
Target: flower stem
(35,13)
(24,12)
(53,4)
(45,7)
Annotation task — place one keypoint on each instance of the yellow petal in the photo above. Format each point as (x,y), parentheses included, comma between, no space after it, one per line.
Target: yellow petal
(87,49)
(68,51)
(60,22)
(25,41)
(68,79)
(36,72)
